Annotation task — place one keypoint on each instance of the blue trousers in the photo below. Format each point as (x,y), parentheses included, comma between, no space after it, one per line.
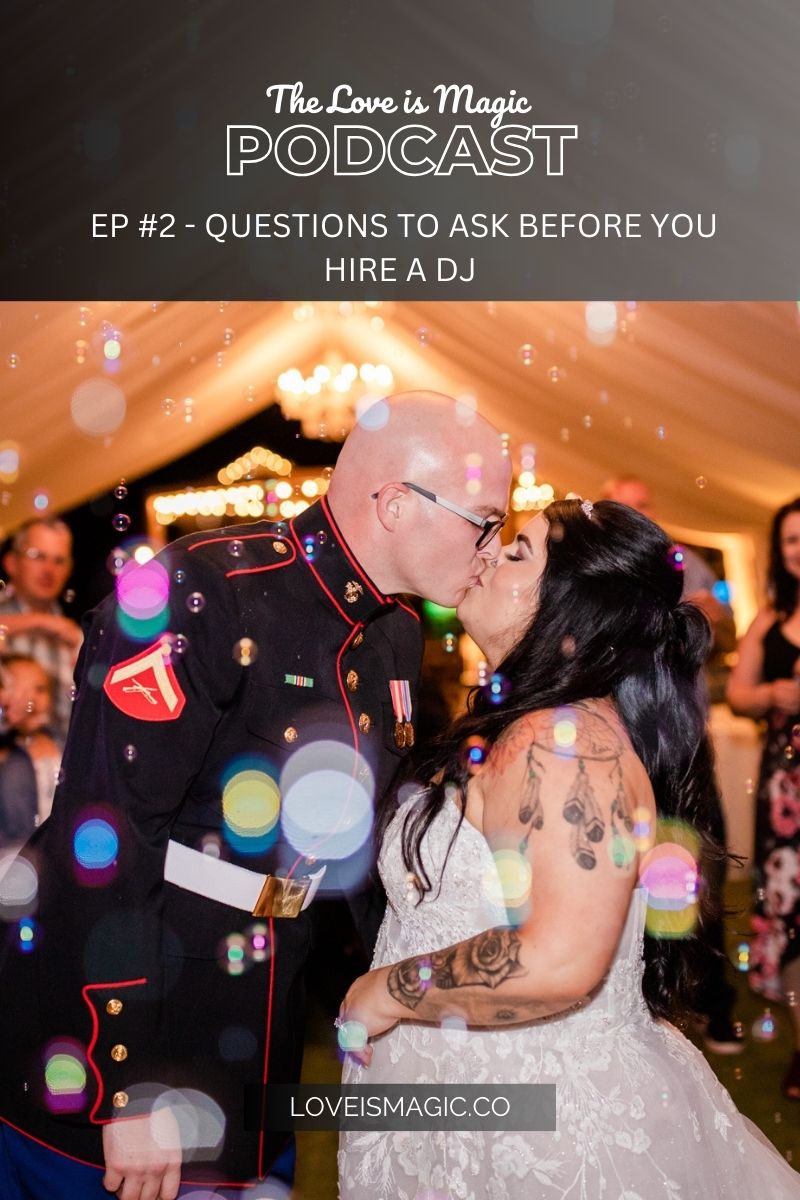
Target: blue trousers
(30,1171)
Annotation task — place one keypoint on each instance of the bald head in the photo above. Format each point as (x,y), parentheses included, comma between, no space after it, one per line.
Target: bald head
(413,435)
(440,444)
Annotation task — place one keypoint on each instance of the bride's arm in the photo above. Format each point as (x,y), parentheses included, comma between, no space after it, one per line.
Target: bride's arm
(566,810)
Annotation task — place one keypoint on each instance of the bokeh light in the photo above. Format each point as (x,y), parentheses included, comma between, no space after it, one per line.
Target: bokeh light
(327,793)
(474,753)
(200,1121)
(251,805)
(98,407)
(95,845)
(142,589)
(764,1028)
(19,886)
(352,1035)
(245,651)
(669,872)
(65,1076)
(515,876)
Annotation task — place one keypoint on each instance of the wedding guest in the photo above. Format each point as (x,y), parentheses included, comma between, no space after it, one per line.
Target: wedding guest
(765,684)
(38,565)
(29,756)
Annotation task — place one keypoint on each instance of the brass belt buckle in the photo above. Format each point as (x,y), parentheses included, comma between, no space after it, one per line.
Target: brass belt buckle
(281,897)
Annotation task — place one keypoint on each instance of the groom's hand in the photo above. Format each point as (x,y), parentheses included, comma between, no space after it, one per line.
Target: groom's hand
(143,1157)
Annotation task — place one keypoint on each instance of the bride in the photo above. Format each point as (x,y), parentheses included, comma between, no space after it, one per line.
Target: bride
(520,889)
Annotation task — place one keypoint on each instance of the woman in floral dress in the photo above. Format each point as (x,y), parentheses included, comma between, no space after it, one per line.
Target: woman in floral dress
(766,683)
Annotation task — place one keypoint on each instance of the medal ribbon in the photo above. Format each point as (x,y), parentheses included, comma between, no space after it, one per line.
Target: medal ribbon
(400,690)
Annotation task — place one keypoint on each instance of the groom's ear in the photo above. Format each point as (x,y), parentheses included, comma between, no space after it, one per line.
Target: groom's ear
(389,504)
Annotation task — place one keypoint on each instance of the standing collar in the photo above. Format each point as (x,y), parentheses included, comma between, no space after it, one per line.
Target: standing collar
(334,566)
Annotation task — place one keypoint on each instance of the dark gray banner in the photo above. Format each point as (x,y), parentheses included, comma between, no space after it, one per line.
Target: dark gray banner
(535,149)
(410,1106)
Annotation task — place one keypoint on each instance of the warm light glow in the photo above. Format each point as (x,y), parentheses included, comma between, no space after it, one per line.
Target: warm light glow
(325,400)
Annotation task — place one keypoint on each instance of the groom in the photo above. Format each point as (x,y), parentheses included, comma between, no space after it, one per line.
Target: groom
(236,710)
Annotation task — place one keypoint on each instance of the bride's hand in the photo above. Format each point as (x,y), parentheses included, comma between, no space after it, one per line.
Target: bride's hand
(369,1004)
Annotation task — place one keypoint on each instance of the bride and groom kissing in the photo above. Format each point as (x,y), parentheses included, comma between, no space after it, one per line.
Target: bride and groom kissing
(517,943)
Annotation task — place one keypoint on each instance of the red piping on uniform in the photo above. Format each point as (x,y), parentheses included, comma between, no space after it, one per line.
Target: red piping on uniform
(408,608)
(244,537)
(266,1048)
(84,1162)
(269,567)
(378,595)
(89,987)
(327,592)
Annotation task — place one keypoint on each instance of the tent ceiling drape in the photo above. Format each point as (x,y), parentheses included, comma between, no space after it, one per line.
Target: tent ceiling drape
(684,392)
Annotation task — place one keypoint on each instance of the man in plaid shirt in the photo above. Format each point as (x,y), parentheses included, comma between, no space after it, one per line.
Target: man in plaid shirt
(38,565)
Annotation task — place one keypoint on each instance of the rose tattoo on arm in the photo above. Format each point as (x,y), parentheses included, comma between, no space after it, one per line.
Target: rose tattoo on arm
(486,960)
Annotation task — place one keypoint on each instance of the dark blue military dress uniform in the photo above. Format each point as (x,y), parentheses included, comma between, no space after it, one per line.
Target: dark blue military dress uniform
(116,984)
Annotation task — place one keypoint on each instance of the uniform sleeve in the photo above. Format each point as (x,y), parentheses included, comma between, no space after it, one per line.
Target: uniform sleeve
(151,689)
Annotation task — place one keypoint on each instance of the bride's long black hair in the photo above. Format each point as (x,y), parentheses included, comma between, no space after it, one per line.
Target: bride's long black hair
(609,622)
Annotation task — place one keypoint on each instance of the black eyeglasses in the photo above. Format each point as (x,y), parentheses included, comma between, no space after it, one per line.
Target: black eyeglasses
(489,526)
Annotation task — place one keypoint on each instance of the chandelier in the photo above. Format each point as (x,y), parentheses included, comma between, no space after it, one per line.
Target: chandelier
(528,495)
(329,399)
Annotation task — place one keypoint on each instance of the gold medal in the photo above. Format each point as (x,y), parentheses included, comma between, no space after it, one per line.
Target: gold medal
(400,734)
(409,732)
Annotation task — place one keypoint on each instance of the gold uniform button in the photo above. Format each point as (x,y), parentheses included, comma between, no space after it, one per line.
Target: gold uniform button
(290,734)
(364,723)
(120,1099)
(280,547)
(114,1008)
(119,1053)
(352,680)
(358,639)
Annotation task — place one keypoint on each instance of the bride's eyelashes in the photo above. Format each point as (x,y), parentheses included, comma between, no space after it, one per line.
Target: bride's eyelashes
(514,557)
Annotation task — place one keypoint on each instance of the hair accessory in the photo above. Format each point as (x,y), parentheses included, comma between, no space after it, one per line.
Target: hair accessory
(587,508)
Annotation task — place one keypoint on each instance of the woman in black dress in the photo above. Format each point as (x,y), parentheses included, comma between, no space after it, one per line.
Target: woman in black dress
(766,683)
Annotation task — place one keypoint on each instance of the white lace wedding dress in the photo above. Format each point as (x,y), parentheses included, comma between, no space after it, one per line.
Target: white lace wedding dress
(640,1114)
